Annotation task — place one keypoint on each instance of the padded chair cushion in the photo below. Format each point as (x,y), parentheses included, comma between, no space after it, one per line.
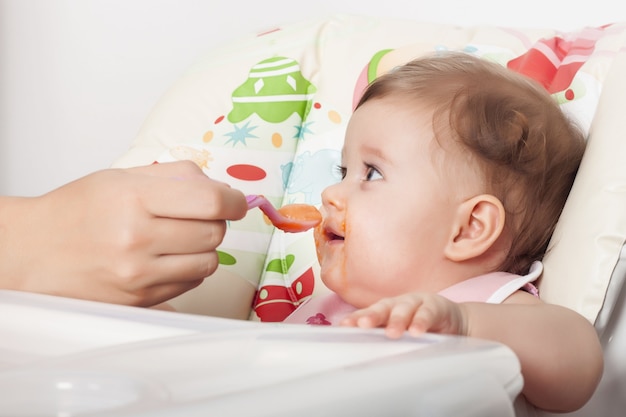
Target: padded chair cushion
(267,114)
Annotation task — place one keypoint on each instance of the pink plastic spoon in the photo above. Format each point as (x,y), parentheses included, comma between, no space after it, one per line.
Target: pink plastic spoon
(292,218)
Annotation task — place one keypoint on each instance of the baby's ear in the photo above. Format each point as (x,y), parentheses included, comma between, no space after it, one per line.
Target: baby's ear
(478,224)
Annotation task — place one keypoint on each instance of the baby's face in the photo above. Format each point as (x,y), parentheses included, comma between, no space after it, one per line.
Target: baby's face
(386,223)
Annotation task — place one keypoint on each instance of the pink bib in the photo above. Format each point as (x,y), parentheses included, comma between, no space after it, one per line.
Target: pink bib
(494,288)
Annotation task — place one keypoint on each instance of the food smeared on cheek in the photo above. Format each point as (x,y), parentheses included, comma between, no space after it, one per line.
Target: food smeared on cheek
(344,270)
(318,236)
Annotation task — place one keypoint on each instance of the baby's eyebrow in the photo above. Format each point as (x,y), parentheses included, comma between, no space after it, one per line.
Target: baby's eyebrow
(376,151)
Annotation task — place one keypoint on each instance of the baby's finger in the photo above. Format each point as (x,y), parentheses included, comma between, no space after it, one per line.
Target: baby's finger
(361,318)
(349,321)
(421,322)
(372,316)
(400,319)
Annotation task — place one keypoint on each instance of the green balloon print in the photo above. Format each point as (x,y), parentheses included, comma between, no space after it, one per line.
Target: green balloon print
(275,89)
(280,265)
(226,258)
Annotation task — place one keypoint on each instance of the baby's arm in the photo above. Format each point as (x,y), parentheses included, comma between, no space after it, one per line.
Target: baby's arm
(559,352)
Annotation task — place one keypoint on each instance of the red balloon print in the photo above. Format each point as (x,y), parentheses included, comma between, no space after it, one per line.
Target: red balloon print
(246,172)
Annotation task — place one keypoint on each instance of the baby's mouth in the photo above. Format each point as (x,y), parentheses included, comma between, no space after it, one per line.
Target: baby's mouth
(333,236)
(328,232)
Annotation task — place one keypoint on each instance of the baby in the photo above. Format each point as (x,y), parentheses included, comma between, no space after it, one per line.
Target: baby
(454,173)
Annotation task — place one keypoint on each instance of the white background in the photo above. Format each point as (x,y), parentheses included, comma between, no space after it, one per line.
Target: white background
(78,77)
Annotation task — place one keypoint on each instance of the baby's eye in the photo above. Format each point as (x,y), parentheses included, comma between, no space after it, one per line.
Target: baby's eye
(373,174)
(341,171)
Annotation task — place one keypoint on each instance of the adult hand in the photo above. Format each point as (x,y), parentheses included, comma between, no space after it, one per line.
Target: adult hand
(135,236)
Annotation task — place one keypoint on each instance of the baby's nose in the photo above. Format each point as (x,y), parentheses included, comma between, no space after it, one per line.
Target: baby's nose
(332,198)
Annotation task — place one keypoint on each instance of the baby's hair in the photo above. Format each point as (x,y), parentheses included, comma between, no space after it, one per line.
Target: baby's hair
(527,148)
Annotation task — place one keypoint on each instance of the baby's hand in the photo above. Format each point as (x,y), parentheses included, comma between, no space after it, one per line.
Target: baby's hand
(416,313)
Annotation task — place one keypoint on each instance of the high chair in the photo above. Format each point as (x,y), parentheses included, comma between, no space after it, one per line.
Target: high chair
(267,114)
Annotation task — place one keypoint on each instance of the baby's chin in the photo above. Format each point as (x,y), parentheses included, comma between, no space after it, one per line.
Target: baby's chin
(340,285)
(334,279)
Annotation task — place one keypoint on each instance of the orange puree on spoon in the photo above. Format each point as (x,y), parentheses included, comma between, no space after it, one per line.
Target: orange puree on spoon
(291,218)
(298,217)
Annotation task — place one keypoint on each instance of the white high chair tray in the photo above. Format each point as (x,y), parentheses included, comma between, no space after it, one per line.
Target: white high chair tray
(62,357)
